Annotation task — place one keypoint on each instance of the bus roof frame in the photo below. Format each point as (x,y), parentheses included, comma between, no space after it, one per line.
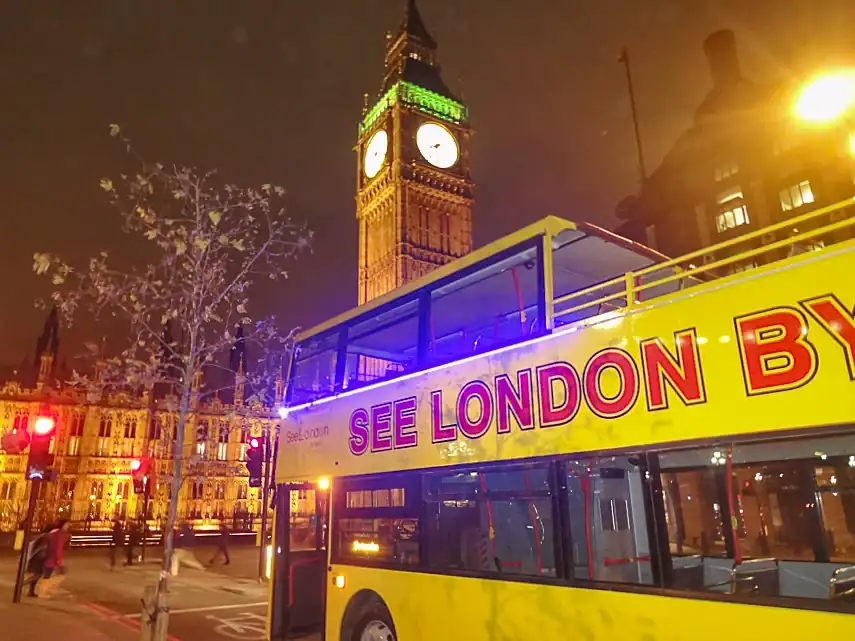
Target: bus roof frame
(551,227)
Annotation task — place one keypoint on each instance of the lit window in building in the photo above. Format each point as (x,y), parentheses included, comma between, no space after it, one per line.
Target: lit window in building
(732,219)
(726,171)
(795,196)
(735,214)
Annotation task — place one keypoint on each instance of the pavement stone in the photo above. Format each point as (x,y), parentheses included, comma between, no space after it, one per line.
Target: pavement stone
(55,618)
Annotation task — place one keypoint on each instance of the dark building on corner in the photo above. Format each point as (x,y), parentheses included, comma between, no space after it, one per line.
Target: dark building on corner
(745,163)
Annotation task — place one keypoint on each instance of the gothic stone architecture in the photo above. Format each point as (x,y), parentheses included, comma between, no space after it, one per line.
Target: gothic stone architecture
(95,443)
(414,192)
(745,163)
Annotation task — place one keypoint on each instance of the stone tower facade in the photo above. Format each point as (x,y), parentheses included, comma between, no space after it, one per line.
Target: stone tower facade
(414,191)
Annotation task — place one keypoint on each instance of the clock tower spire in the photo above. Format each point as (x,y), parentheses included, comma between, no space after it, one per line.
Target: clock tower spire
(414,190)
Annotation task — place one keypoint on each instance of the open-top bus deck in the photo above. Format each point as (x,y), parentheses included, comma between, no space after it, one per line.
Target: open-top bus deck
(565,433)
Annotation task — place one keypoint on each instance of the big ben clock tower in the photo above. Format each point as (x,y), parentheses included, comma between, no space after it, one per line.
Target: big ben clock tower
(414,192)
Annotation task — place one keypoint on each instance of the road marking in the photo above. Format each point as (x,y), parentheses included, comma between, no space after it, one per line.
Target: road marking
(209,608)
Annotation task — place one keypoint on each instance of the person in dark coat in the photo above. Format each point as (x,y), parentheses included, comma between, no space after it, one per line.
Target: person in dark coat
(117,541)
(222,546)
(133,543)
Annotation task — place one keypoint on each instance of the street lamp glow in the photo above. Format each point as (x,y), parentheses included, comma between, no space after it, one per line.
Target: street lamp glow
(323,483)
(827,97)
(44,425)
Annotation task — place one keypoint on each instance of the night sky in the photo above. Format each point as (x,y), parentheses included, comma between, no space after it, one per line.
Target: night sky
(270,91)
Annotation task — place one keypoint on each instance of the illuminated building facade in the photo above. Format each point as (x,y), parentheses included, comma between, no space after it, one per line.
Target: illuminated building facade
(747,161)
(96,441)
(414,192)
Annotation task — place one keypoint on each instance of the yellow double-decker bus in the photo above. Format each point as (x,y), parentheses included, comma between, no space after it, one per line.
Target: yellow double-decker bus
(567,435)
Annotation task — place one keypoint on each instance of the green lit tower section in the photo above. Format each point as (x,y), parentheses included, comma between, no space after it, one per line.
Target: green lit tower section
(414,192)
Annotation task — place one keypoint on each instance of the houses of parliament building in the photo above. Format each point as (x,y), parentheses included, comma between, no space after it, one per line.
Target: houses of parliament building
(414,213)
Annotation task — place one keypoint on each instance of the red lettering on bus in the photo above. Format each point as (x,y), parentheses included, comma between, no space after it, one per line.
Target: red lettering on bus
(681,370)
(381,427)
(627,371)
(551,412)
(775,352)
(837,321)
(480,392)
(440,433)
(404,421)
(358,440)
(516,402)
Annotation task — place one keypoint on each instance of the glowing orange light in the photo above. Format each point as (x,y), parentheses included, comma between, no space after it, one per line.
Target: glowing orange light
(323,483)
(827,97)
(43,425)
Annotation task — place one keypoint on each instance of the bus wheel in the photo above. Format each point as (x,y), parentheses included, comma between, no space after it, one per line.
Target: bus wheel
(375,626)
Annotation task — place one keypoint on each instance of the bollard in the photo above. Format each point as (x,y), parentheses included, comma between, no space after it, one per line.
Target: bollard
(154,622)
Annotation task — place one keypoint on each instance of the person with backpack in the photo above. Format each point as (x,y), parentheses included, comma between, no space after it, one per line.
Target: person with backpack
(36,561)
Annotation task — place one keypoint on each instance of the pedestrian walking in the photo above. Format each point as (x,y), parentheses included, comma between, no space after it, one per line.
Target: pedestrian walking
(37,558)
(222,546)
(117,541)
(133,543)
(183,552)
(54,566)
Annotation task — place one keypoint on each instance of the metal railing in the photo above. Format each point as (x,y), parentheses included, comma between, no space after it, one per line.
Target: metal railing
(701,266)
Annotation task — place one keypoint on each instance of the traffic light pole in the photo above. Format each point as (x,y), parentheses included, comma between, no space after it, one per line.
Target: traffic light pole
(262,551)
(146,495)
(25,545)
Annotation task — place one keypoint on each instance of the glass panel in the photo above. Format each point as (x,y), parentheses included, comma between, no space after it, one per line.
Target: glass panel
(493,307)
(314,371)
(520,480)
(608,521)
(383,346)
(693,513)
(304,526)
(384,539)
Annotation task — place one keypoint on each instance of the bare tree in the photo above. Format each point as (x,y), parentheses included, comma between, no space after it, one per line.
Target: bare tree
(209,242)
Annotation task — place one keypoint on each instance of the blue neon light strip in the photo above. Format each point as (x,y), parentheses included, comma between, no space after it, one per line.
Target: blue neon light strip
(285,411)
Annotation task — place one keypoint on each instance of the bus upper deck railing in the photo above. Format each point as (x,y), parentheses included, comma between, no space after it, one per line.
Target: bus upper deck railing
(627,291)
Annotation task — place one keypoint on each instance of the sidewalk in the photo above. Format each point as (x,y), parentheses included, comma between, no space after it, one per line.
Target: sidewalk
(52,619)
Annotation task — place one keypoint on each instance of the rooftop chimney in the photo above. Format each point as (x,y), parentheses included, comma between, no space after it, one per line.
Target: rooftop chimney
(720,47)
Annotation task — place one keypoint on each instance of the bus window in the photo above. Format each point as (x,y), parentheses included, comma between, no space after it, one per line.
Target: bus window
(496,521)
(608,521)
(790,502)
(377,520)
(313,373)
(492,307)
(382,346)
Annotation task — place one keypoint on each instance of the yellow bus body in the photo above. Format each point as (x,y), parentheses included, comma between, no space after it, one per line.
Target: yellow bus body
(772,355)
(317,441)
(430,607)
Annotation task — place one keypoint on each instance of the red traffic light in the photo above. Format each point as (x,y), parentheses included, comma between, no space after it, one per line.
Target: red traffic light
(44,425)
(253,442)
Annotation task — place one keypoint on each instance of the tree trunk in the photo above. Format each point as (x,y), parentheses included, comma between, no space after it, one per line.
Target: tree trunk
(160,606)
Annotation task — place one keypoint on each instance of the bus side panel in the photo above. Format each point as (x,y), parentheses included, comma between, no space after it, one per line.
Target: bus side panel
(428,607)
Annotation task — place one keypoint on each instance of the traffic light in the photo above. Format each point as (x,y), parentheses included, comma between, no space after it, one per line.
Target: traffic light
(255,461)
(141,473)
(40,460)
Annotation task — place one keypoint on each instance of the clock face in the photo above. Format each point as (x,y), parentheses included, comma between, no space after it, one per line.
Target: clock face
(375,153)
(437,145)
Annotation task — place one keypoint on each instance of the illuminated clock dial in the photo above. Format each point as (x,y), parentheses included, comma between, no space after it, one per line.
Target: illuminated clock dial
(375,153)
(437,145)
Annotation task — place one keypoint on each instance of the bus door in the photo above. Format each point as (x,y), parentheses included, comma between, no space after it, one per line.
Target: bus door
(300,560)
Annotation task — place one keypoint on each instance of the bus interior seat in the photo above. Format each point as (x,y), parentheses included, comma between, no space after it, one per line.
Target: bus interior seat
(841,586)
